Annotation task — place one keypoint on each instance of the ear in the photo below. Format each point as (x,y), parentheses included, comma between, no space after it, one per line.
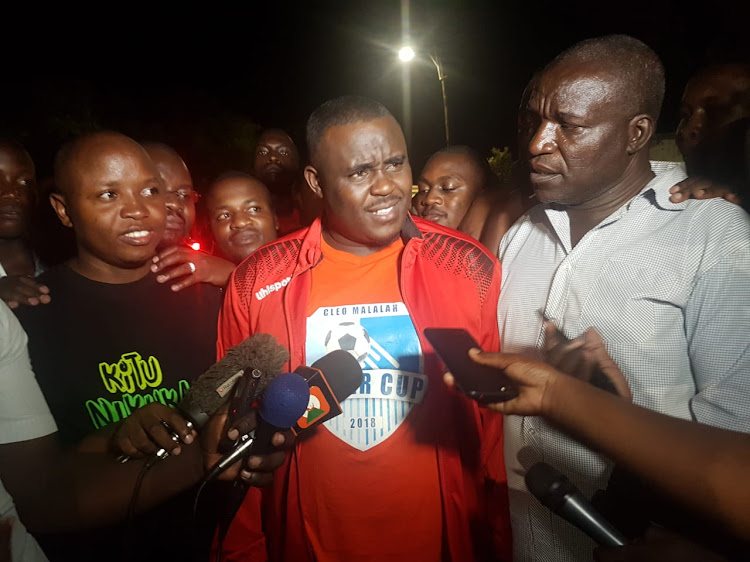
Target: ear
(312,179)
(57,200)
(640,131)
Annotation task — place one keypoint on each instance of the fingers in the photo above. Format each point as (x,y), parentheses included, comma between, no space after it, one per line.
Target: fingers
(171,257)
(598,352)
(700,188)
(151,428)
(188,281)
(258,470)
(23,289)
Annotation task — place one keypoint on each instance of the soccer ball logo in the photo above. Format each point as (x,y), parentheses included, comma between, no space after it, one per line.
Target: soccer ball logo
(350,337)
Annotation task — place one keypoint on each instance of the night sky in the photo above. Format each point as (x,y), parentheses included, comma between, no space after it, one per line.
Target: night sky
(204,79)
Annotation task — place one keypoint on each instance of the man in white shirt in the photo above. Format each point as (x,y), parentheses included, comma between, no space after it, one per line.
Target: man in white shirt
(665,283)
(24,415)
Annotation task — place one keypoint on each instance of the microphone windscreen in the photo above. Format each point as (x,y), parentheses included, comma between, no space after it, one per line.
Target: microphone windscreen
(285,400)
(548,485)
(342,371)
(260,352)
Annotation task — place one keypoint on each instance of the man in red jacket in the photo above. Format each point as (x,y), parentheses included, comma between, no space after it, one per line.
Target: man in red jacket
(411,470)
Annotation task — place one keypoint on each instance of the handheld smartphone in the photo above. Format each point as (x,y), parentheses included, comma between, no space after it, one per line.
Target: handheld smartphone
(483,383)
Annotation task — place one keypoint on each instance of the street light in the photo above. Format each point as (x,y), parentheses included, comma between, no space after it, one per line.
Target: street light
(405,54)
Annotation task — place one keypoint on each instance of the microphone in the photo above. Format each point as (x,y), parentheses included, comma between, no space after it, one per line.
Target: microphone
(260,355)
(282,403)
(559,494)
(332,379)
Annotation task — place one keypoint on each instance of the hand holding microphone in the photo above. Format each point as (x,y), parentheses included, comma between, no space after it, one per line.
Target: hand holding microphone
(156,429)
(282,404)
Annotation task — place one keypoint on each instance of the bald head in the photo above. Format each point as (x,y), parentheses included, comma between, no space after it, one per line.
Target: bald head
(633,67)
(88,150)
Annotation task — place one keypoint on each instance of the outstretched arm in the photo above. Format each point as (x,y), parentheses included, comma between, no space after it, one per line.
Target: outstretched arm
(702,466)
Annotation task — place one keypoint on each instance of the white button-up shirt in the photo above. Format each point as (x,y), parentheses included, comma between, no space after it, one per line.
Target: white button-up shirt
(667,285)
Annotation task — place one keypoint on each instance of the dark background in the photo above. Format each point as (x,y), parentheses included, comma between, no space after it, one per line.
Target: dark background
(206,78)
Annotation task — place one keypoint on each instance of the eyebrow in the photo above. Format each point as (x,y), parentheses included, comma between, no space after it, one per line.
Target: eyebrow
(254,201)
(569,116)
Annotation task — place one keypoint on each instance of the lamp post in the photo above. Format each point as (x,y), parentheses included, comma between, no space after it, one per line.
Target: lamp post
(406,54)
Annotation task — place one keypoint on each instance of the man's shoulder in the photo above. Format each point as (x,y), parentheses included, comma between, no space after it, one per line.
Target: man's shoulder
(438,239)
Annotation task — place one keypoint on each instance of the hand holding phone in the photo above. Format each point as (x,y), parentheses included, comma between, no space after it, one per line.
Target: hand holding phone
(483,383)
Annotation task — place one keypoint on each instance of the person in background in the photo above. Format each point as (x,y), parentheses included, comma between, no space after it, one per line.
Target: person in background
(176,260)
(277,165)
(451,180)
(714,134)
(18,196)
(241,215)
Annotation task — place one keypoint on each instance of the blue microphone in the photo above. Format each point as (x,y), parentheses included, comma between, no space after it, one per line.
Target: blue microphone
(282,404)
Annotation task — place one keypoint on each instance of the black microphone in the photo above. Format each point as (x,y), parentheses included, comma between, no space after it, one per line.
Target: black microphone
(282,403)
(260,355)
(332,379)
(559,494)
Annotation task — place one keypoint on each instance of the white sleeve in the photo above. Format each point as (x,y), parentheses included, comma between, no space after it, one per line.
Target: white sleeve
(717,323)
(24,413)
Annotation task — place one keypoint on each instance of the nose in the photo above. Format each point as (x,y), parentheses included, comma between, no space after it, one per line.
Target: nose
(543,139)
(240,221)
(432,197)
(173,202)
(690,130)
(10,190)
(382,184)
(134,207)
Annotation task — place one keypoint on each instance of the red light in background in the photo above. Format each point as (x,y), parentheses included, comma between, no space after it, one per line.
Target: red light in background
(195,245)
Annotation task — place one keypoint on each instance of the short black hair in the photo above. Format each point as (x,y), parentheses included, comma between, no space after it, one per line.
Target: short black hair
(638,67)
(343,110)
(488,178)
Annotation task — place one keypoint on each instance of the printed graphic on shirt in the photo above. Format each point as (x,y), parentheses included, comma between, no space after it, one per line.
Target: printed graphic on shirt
(135,382)
(383,339)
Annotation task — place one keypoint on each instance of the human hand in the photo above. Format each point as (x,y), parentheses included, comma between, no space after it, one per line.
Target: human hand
(256,470)
(16,290)
(532,379)
(696,187)
(584,358)
(657,545)
(150,428)
(194,265)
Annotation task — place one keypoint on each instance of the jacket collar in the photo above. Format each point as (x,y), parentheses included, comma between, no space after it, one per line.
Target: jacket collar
(311,248)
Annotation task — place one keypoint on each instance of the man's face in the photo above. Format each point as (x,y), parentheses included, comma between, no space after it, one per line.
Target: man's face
(241,217)
(276,160)
(17,191)
(710,103)
(180,196)
(447,186)
(575,133)
(115,204)
(362,171)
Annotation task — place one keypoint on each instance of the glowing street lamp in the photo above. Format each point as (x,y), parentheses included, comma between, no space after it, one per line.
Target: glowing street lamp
(406,54)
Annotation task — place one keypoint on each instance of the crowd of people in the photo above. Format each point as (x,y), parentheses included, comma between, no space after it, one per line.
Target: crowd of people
(609,288)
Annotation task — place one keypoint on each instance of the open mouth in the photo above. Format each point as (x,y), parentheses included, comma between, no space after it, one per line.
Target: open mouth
(137,237)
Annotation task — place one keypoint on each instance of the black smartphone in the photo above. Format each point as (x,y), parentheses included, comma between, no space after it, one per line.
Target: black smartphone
(483,383)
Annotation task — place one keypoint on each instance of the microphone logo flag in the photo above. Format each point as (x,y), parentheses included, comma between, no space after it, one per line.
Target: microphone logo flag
(317,407)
